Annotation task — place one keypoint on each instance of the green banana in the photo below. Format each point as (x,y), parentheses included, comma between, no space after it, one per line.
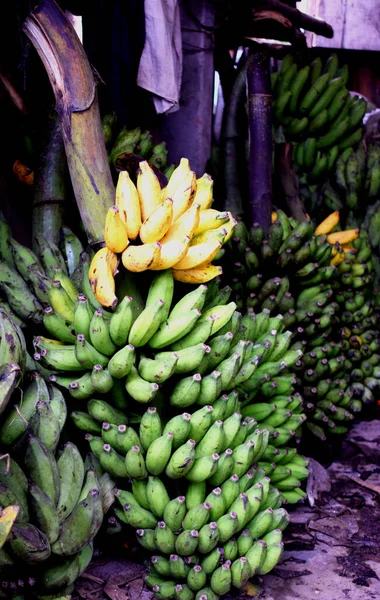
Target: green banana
(140,390)
(103,412)
(186,391)
(158,453)
(84,422)
(135,463)
(42,468)
(158,370)
(181,460)
(67,571)
(174,513)
(146,325)
(186,542)
(180,427)
(29,543)
(45,513)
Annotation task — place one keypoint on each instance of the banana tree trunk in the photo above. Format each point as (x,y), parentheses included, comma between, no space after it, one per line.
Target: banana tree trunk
(49,189)
(75,91)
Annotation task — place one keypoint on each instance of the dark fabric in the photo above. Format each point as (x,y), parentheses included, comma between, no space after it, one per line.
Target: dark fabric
(114,35)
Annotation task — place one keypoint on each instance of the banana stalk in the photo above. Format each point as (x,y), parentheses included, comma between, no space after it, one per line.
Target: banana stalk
(74,87)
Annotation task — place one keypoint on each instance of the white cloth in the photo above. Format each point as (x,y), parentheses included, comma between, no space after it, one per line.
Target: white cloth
(160,68)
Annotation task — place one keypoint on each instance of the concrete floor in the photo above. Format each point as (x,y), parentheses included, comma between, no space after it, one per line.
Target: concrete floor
(332,551)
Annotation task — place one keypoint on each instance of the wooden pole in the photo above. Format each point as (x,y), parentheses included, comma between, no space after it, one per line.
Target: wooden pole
(260,138)
(233,200)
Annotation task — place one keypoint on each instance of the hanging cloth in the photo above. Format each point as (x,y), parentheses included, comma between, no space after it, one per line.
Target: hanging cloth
(160,68)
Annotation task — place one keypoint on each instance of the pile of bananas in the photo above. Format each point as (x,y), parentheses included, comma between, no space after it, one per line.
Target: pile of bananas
(356,181)
(372,226)
(136,142)
(223,448)
(29,284)
(317,113)
(306,282)
(359,320)
(148,352)
(176,227)
(60,499)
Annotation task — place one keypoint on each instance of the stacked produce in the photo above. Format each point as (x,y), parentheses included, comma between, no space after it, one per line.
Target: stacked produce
(178,359)
(317,113)
(59,498)
(355,380)
(188,361)
(352,187)
(28,283)
(176,227)
(310,275)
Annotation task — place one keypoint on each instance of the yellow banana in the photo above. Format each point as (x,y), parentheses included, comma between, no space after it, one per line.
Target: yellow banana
(222,233)
(343,237)
(197,276)
(184,195)
(115,231)
(211,234)
(158,222)
(176,178)
(211,219)
(230,226)
(338,256)
(199,255)
(171,253)
(274,216)
(186,225)
(101,274)
(347,247)
(141,258)
(127,199)
(328,224)
(203,195)
(148,188)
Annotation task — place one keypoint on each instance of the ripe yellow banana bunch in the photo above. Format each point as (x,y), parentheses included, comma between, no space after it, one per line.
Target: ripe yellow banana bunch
(172,227)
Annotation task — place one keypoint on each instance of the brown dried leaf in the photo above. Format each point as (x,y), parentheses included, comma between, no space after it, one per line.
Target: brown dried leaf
(318,481)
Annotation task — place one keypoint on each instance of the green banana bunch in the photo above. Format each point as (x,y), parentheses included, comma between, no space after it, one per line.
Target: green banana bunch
(316,293)
(198,350)
(60,497)
(313,106)
(38,288)
(137,142)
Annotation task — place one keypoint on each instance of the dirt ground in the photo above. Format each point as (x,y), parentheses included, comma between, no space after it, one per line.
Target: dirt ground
(332,545)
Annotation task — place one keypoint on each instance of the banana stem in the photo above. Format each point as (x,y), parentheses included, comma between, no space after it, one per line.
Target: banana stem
(49,189)
(75,92)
